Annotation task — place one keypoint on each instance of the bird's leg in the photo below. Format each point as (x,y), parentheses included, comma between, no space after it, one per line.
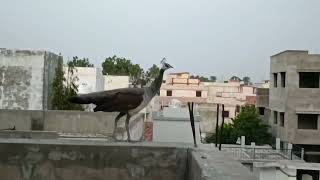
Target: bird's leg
(127,127)
(116,123)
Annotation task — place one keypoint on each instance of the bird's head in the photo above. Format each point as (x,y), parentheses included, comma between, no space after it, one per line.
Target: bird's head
(165,65)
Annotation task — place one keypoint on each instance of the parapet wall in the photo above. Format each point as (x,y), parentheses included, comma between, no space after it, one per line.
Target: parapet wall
(66,160)
(62,159)
(67,122)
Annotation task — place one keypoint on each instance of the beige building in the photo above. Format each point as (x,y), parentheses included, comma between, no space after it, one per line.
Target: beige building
(233,95)
(179,87)
(294,99)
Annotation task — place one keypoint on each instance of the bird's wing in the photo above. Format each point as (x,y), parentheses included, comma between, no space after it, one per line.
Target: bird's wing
(122,102)
(102,97)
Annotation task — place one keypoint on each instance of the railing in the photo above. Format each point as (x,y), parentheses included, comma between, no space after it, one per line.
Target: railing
(263,154)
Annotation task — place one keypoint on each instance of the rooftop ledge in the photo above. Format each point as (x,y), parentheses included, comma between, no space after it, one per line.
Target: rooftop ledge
(97,159)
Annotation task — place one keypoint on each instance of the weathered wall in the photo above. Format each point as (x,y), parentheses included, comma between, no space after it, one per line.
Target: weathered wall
(208,114)
(69,122)
(62,159)
(263,97)
(25,79)
(213,164)
(65,160)
(51,62)
(291,99)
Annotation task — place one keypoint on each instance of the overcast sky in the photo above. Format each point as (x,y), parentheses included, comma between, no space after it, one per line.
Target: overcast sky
(206,37)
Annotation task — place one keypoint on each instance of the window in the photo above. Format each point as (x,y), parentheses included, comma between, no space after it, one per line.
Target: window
(307,121)
(282,119)
(237,108)
(275,80)
(226,114)
(198,93)
(283,79)
(261,110)
(275,117)
(169,93)
(309,79)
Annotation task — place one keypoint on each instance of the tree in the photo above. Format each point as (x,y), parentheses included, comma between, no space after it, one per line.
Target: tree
(152,73)
(247,123)
(228,134)
(76,62)
(235,78)
(63,88)
(124,67)
(246,80)
(203,78)
(213,78)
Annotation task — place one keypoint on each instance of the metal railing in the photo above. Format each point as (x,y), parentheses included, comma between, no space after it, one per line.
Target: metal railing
(263,154)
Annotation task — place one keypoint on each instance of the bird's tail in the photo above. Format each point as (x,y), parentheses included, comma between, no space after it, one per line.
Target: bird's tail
(79,99)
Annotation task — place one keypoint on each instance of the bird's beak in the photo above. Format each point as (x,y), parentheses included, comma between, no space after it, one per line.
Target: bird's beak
(170,66)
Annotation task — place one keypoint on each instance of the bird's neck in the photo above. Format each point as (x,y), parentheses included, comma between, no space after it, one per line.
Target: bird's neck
(156,84)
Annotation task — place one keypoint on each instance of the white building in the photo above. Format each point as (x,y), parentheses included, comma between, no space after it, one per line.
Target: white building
(286,170)
(116,82)
(90,79)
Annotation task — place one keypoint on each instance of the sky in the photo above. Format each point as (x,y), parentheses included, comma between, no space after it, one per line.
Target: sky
(204,37)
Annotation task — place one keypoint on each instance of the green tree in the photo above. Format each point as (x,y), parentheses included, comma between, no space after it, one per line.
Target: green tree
(201,78)
(213,78)
(152,73)
(228,134)
(247,123)
(58,88)
(235,78)
(246,80)
(124,67)
(76,62)
(63,88)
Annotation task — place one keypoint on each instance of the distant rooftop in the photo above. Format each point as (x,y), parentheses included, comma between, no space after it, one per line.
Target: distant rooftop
(291,51)
(179,73)
(23,52)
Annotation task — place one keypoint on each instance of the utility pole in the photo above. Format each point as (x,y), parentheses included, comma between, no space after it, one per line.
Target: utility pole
(217,126)
(221,131)
(190,105)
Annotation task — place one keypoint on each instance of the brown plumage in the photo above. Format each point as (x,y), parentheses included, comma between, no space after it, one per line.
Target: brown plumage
(118,100)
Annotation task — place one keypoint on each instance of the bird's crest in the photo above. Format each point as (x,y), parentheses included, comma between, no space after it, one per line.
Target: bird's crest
(163,61)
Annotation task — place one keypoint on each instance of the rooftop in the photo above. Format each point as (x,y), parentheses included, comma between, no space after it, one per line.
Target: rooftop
(291,51)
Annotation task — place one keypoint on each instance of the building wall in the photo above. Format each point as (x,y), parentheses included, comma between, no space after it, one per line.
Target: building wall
(51,63)
(293,100)
(67,159)
(183,89)
(25,79)
(90,79)
(263,97)
(232,95)
(174,131)
(115,82)
(173,125)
